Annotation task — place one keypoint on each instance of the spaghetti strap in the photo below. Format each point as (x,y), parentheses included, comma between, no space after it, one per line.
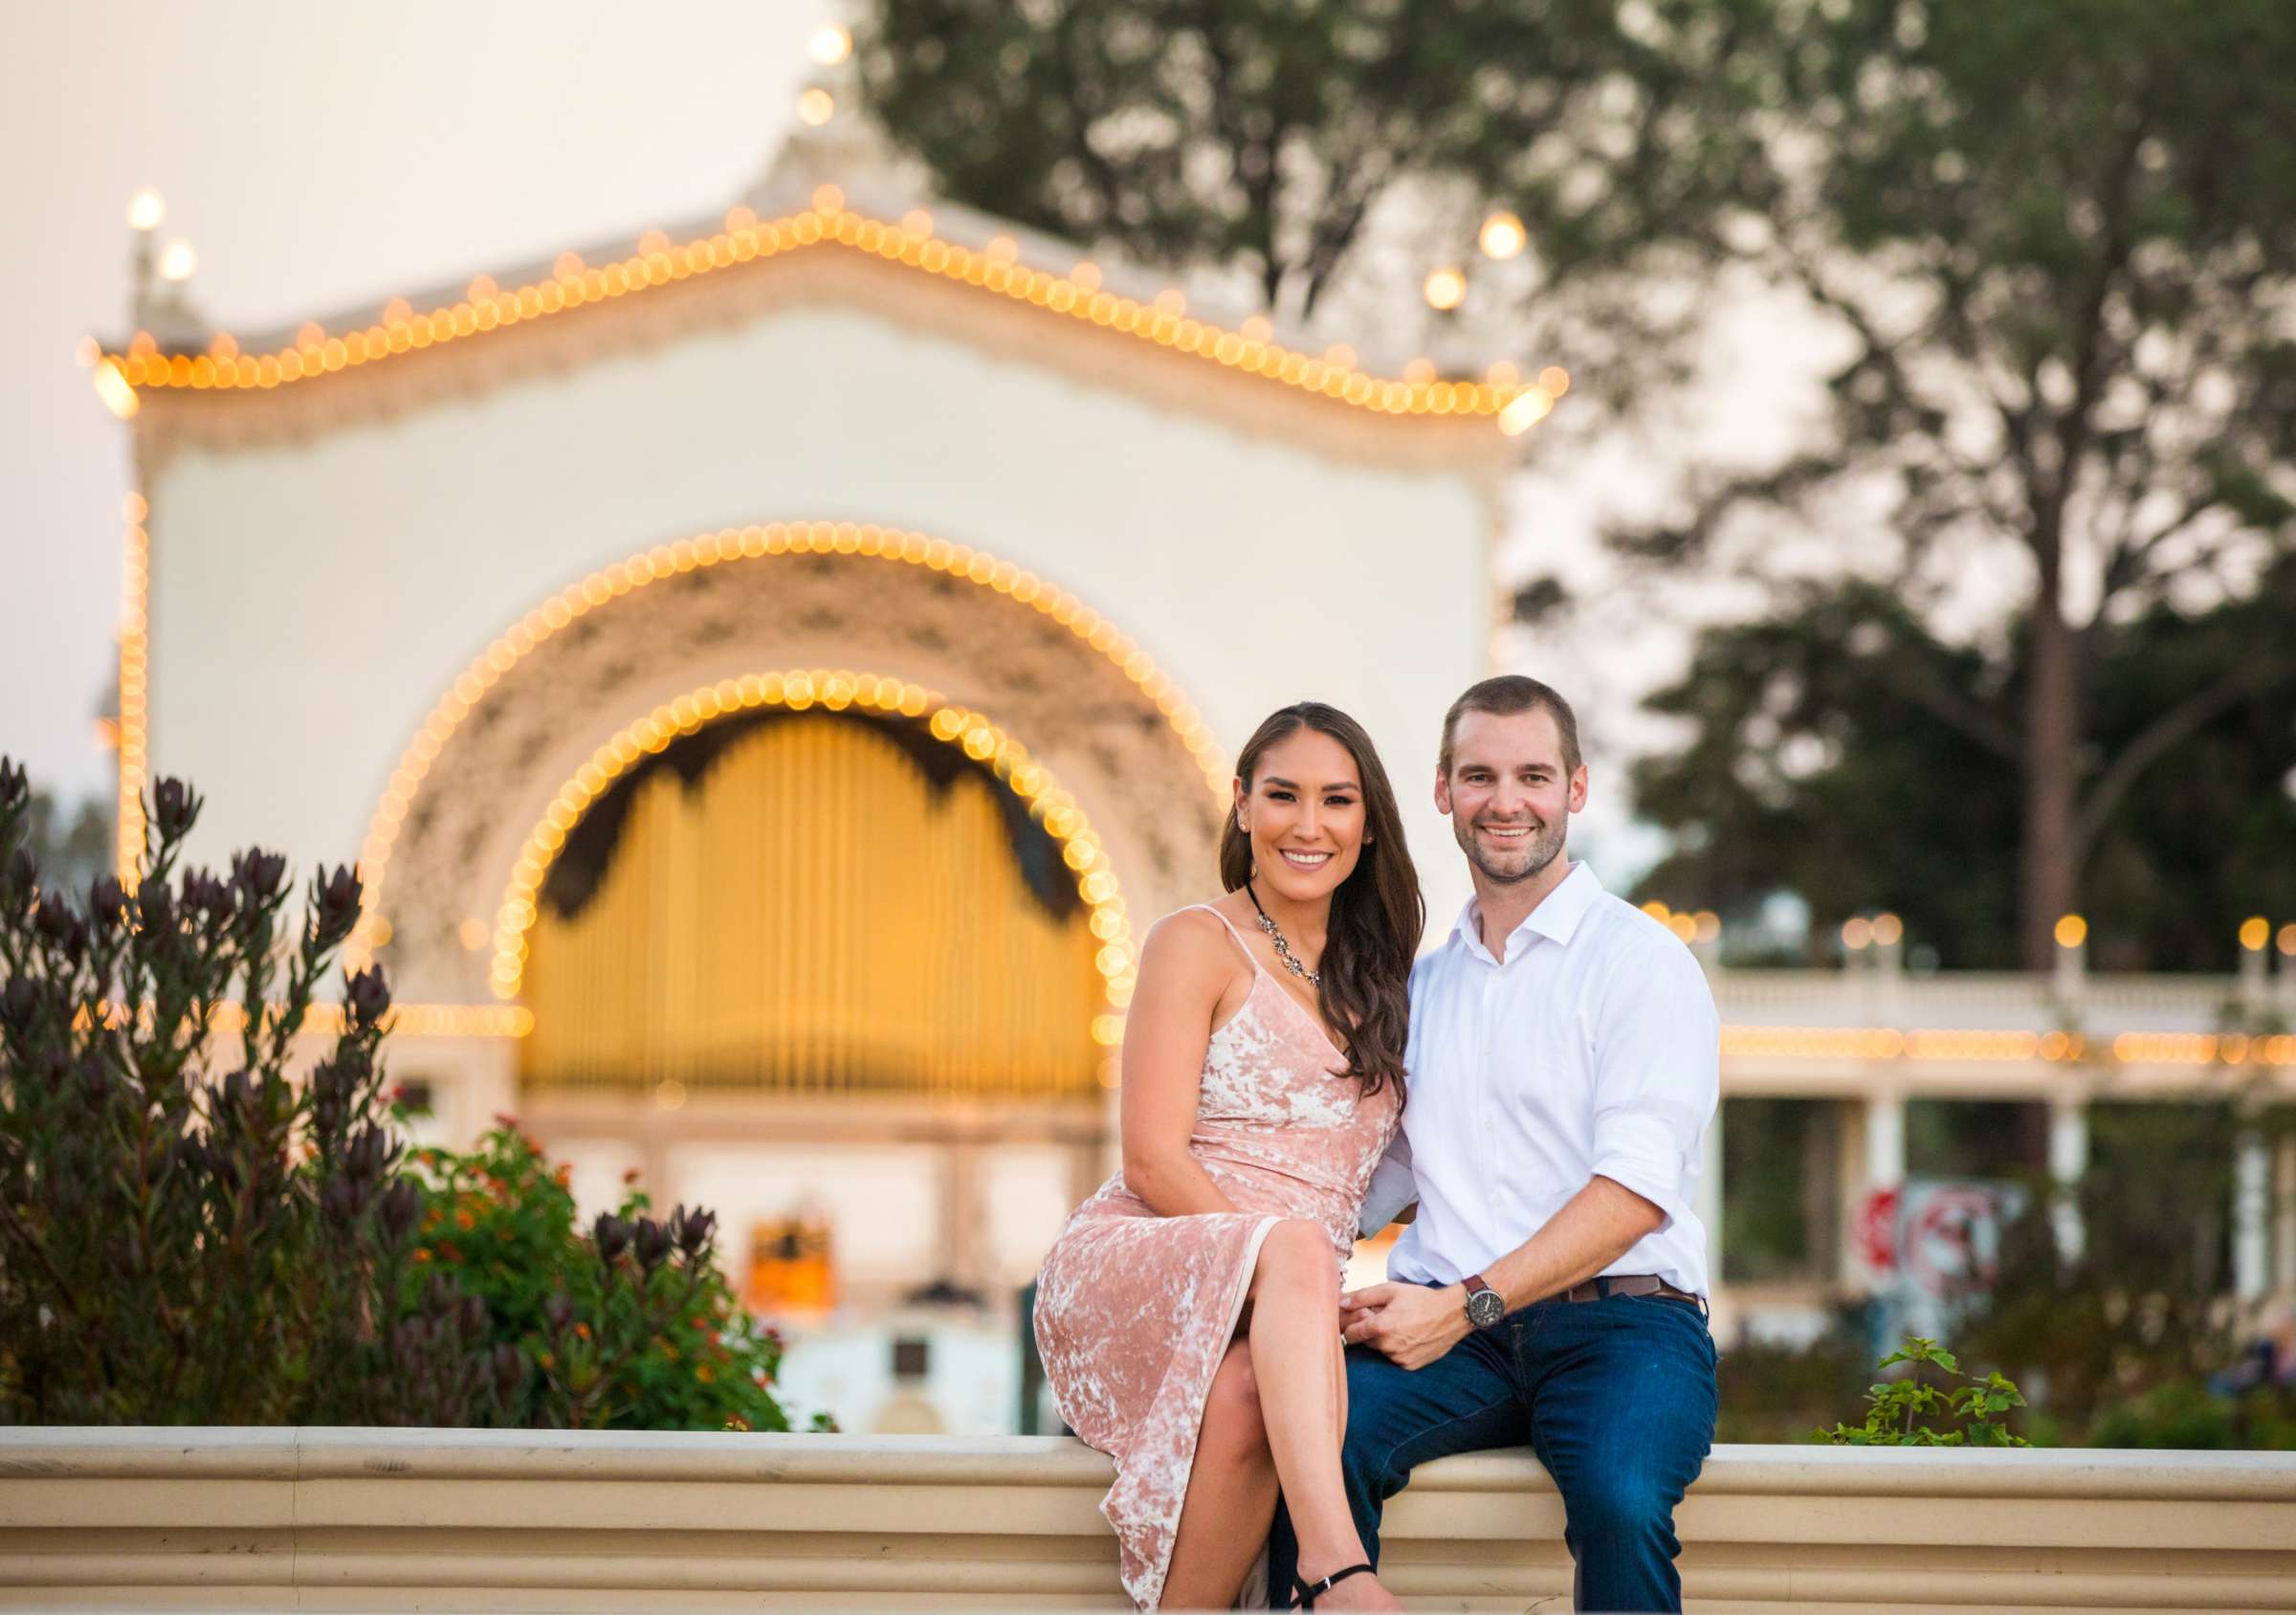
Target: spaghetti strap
(1250,956)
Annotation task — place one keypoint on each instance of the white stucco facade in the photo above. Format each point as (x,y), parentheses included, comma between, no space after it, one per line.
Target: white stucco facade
(312,594)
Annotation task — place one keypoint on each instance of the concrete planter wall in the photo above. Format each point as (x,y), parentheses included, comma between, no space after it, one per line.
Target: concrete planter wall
(513,1520)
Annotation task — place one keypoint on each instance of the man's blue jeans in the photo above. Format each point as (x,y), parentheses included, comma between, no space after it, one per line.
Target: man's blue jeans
(1616,1396)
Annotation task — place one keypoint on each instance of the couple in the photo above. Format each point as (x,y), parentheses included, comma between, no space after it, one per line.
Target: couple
(1559,1056)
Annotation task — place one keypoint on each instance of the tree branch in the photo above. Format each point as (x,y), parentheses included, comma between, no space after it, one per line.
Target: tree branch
(2179,724)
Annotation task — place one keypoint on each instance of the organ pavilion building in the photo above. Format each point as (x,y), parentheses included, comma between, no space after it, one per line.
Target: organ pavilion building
(770,673)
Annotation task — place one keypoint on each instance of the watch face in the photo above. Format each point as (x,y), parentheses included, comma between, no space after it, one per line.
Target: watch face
(1484,1308)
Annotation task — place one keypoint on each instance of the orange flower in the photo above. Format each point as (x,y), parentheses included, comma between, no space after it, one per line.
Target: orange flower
(582,1330)
(704,1373)
(466,1219)
(422,1255)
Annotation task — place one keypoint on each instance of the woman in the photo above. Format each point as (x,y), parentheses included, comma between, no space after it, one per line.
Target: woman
(1188,1313)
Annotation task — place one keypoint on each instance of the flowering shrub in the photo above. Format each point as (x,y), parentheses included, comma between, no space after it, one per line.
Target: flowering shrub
(189,1236)
(628,1323)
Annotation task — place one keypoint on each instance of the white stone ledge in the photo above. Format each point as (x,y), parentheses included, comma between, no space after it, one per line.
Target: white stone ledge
(507,1520)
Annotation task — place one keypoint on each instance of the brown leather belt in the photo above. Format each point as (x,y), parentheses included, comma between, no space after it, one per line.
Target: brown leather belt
(1630,1284)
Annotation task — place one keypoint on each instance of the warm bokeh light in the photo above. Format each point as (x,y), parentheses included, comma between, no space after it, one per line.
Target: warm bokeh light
(1445,289)
(995,268)
(1083,854)
(1888,930)
(177,261)
(1555,379)
(830,44)
(1502,235)
(1857,933)
(1708,925)
(2287,941)
(146,209)
(1525,410)
(835,689)
(2071,931)
(112,388)
(2255,932)
(816,106)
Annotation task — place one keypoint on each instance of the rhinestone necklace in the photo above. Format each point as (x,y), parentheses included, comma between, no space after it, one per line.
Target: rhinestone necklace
(1283,949)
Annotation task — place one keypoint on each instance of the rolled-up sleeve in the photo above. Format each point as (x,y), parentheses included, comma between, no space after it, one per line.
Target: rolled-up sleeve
(1657,1070)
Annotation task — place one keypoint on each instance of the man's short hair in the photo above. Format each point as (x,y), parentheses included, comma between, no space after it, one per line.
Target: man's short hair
(1505,696)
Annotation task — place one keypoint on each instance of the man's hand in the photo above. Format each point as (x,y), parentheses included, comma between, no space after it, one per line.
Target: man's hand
(1409,1325)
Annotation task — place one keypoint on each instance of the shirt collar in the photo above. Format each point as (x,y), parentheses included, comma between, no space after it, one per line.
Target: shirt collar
(1557,917)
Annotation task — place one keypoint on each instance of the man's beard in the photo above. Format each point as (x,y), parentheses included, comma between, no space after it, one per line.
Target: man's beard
(1534,853)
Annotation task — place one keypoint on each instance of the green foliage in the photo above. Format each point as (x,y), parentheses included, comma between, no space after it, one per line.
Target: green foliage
(1772,1392)
(1822,759)
(629,1322)
(1974,1412)
(2123,1335)
(1263,134)
(192,1235)
(185,1234)
(2186,1415)
(2056,239)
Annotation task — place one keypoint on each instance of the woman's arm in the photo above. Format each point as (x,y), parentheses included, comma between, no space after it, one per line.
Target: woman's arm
(1186,965)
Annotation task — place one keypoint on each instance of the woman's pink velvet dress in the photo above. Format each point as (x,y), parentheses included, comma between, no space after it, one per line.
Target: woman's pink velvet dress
(1135,1310)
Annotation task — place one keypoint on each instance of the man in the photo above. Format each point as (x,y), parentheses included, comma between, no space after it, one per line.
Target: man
(1563,1064)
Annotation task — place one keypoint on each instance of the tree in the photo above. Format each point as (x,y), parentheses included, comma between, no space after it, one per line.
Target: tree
(1265,134)
(2057,239)
(71,849)
(1821,762)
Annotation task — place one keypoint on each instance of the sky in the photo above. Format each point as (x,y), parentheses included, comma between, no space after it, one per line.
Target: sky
(322,156)
(314,156)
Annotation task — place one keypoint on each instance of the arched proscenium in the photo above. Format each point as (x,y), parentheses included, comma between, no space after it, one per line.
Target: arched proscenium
(833,690)
(741,543)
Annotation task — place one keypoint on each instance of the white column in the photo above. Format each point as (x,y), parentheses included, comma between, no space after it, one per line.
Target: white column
(2068,1164)
(1709,1197)
(1885,1140)
(2251,1200)
(2284,1239)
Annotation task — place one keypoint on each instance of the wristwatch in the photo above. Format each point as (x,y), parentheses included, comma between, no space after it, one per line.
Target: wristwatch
(1484,1306)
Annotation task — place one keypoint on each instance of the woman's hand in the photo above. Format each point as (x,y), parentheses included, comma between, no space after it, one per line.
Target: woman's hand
(1409,1325)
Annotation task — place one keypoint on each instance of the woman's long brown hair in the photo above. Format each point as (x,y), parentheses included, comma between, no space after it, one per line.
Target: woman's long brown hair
(1376,912)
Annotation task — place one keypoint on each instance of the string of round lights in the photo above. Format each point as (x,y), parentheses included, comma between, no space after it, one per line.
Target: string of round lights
(994,268)
(833,689)
(856,539)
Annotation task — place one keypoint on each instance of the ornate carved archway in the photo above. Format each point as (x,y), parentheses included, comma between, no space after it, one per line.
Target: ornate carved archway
(530,711)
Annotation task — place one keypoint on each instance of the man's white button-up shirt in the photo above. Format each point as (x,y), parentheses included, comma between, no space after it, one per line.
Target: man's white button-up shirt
(1593,1050)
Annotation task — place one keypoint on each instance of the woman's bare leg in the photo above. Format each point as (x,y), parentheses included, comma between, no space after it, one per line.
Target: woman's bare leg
(1302,1380)
(1231,1493)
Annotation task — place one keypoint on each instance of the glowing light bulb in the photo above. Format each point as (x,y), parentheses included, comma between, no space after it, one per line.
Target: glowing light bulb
(146,209)
(2255,932)
(1525,410)
(1502,235)
(830,44)
(815,107)
(1888,930)
(177,262)
(2071,931)
(1857,933)
(1446,288)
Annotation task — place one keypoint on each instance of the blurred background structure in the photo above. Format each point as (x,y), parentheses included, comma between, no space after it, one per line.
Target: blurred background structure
(770,668)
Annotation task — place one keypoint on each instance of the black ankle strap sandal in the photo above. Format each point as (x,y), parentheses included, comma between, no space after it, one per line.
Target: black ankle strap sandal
(1306,1592)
